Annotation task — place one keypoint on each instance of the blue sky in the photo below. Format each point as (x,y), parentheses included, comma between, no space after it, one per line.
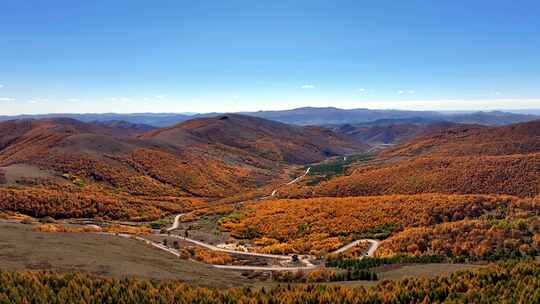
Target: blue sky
(176,56)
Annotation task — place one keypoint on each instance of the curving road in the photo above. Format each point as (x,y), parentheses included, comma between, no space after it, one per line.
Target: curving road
(298,178)
(274,192)
(176,222)
(374,244)
(308,265)
(304,259)
(263,268)
(215,248)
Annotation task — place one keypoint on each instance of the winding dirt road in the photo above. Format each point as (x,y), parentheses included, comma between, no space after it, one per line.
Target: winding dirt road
(215,248)
(176,222)
(374,244)
(298,178)
(274,192)
(303,259)
(263,268)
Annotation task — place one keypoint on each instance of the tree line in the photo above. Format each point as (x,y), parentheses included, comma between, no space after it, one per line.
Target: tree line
(504,283)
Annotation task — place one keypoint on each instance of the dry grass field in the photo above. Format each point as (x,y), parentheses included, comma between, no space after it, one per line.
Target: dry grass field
(23,249)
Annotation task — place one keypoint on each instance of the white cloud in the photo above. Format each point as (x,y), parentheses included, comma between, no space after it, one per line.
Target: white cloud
(148,100)
(36,100)
(119,98)
(402,92)
(361,90)
(308,86)
(73,99)
(6,99)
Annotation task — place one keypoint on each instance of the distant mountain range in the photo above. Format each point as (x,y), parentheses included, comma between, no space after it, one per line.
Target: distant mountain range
(391,131)
(525,111)
(325,116)
(310,116)
(122,124)
(152,119)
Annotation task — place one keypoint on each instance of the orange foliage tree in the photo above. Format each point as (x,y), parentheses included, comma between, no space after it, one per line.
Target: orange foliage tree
(324,224)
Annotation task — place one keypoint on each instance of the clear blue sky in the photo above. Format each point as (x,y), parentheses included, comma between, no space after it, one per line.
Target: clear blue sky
(175,56)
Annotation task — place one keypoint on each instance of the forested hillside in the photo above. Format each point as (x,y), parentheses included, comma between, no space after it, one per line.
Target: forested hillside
(506,283)
(392,131)
(466,160)
(321,225)
(263,138)
(113,165)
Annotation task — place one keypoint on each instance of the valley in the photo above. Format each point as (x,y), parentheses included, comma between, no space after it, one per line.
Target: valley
(269,152)
(259,203)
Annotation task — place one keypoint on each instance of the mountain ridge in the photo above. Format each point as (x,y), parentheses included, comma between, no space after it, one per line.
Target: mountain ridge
(308,116)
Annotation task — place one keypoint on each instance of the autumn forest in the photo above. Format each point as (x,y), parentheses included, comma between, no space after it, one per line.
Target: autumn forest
(280,208)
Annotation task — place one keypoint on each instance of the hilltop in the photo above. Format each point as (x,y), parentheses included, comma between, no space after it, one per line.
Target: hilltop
(262,138)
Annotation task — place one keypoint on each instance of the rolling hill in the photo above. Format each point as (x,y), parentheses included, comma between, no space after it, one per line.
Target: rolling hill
(464,160)
(160,170)
(135,128)
(260,138)
(392,131)
(520,138)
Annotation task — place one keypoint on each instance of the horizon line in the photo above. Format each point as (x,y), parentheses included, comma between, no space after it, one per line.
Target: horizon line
(192,113)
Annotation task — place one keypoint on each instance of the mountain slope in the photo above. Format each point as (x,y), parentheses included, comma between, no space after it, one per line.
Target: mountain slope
(111,157)
(22,140)
(475,140)
(501,160)
(392,131)
(133,128)
(86,164)
(261,138)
